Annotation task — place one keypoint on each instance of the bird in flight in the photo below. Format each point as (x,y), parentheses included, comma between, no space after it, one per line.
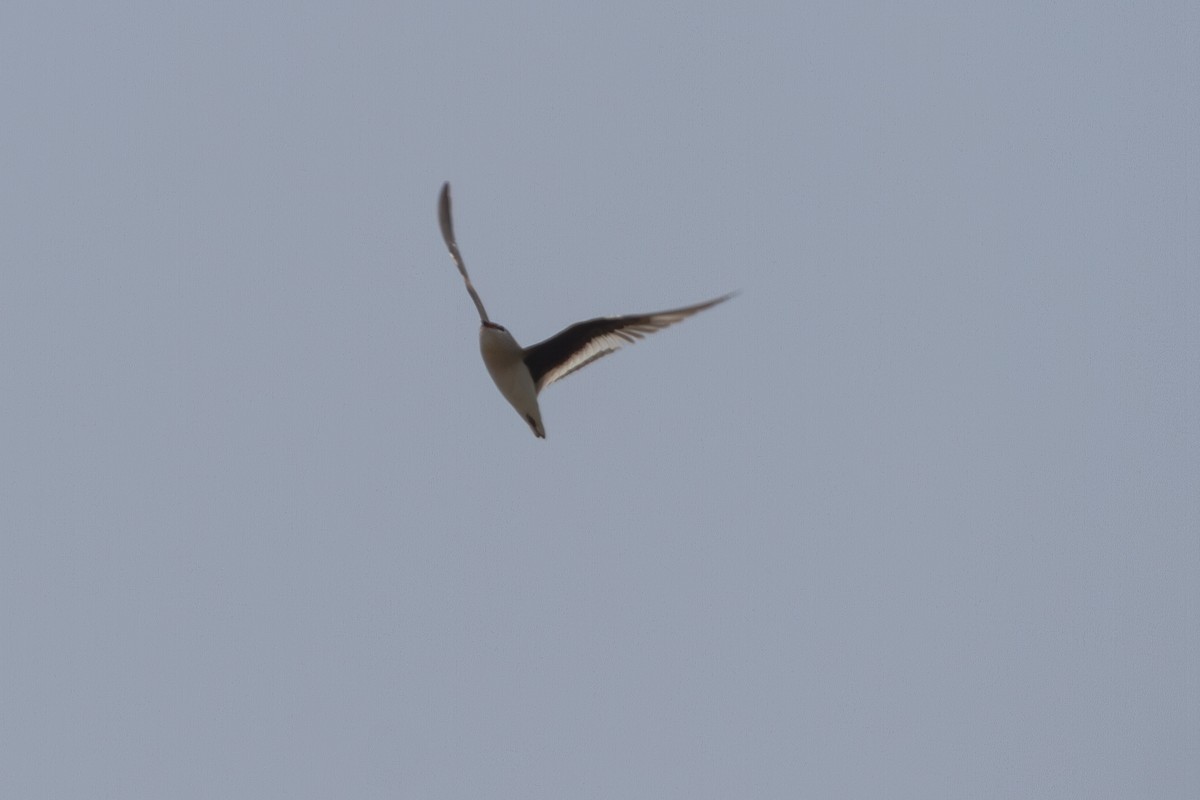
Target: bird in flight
(520,373)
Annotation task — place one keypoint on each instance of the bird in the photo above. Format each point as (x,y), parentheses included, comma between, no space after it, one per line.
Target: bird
(521,373)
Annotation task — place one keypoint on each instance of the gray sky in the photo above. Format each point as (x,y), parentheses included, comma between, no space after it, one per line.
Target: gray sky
(914,516)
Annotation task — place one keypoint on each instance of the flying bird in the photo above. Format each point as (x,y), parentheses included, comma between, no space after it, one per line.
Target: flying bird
(520,373)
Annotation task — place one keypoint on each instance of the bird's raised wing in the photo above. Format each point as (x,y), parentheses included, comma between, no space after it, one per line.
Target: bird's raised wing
(447,225)
(584,342)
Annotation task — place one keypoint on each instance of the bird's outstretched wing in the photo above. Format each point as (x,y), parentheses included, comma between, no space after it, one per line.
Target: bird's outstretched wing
(447,225)
(584,342)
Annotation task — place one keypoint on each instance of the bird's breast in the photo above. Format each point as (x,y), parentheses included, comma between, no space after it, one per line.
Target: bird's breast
(505,362)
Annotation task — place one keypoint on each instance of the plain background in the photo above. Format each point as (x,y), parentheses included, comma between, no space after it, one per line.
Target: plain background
(916,515)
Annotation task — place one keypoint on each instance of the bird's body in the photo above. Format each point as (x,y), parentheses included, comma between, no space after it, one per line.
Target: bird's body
(520,373)
(505,362)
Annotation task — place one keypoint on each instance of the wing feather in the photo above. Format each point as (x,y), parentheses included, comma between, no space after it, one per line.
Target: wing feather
(446,223)
(582,343)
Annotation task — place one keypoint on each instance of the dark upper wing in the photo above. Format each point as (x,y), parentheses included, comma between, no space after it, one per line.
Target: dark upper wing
(584,342)
(446,223)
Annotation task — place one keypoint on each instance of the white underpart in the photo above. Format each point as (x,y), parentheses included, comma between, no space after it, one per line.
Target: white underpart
(504,360)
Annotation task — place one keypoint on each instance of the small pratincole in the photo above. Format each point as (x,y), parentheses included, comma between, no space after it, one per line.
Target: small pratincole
(520,373)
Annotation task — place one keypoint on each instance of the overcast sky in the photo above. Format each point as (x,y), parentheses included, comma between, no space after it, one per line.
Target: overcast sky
(915,515)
